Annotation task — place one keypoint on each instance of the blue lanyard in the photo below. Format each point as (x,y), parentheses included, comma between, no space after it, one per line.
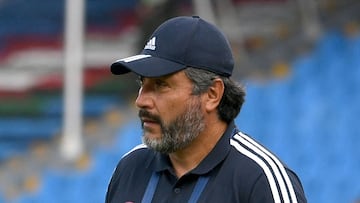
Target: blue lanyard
(154,179)
(150,189)
(199,187)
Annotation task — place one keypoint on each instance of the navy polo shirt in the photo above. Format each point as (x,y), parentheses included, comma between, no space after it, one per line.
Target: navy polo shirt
(238,169)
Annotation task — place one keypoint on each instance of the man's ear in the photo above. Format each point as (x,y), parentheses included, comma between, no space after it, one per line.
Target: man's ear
(214,95)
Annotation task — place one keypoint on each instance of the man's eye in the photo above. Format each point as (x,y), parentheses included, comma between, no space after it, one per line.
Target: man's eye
(160,83)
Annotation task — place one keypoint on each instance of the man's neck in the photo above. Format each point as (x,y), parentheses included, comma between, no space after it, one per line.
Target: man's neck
(189,158)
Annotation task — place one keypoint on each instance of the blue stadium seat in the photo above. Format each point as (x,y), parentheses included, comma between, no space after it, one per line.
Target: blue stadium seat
(60,186)
(10,149)
(29,128)
(92,105)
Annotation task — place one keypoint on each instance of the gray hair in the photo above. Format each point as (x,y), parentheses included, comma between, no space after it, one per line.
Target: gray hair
(233,97)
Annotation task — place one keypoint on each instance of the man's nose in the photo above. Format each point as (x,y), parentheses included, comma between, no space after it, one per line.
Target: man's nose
(143,99)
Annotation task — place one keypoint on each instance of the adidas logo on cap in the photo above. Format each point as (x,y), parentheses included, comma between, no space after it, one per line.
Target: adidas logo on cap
(151,44)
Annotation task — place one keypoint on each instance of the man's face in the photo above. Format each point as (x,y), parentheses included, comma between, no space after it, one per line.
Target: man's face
(171,116)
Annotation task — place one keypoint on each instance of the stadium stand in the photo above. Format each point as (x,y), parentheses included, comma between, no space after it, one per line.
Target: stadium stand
(307,111)
(310,118)
(31,101)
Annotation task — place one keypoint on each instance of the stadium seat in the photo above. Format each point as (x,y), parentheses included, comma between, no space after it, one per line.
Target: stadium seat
(29,128)
(92,105)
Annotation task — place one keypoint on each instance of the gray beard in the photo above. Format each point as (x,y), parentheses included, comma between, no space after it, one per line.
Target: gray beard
(180,132)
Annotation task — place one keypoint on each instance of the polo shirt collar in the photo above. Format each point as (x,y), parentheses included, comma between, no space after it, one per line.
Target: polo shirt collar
(161,162)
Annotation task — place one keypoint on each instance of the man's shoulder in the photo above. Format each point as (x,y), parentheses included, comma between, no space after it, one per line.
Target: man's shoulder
(137,149)
(248,147)
(243,159)
(136,154)
(134,159)
(257,163)
(130,170)
(253,158)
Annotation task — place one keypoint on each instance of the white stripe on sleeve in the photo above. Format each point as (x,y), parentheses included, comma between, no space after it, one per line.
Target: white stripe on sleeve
(261,163)
(278,163)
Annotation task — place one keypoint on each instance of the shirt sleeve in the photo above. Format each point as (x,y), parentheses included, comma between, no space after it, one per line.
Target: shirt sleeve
(263,192)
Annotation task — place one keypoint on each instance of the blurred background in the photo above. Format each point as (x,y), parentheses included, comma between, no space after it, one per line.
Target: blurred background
(298,59)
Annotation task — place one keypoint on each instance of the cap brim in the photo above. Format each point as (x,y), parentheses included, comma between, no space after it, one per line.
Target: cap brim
(146,65)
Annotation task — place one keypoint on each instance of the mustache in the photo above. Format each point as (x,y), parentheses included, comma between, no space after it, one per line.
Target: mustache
(143,113)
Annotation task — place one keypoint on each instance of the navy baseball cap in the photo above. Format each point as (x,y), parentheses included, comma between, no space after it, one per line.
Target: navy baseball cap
(179,43)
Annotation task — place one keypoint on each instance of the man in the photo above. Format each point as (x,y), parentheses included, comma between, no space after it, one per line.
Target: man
(192,150)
